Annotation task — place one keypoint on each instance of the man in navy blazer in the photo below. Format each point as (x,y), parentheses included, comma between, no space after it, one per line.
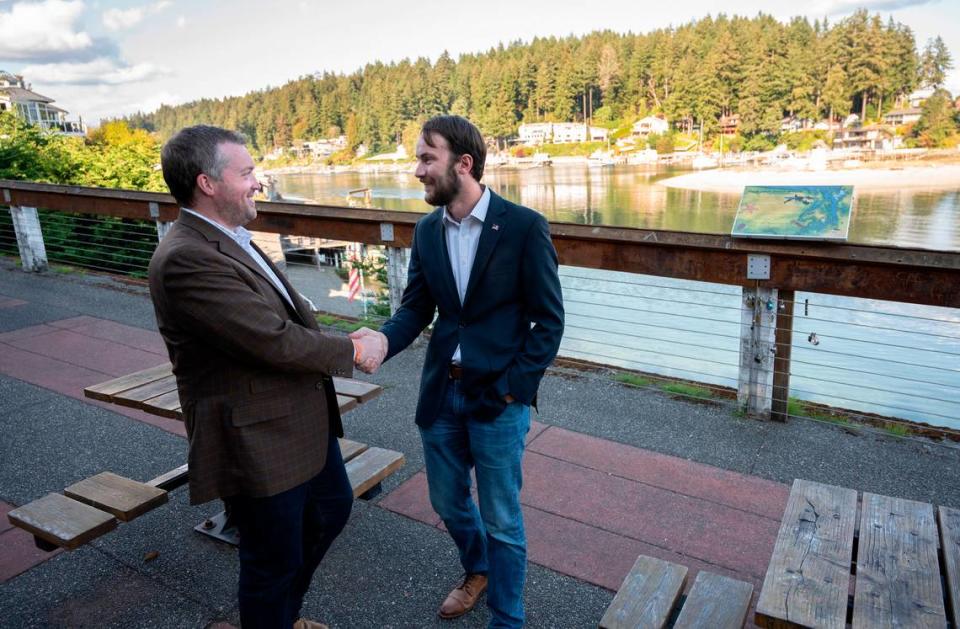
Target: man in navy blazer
(487,268)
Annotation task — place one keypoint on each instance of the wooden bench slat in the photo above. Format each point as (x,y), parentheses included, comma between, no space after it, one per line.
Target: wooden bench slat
(165,405)
(808,579)
(136,396)
(62,521)
(363,391)
(715,602)
(124,498)
(372,466)
(950,544)
(898,570)
(350,449)
(105,391)
(648,594)
(346,403)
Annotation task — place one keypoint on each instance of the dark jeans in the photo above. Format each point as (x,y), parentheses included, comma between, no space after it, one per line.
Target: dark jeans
(282,540)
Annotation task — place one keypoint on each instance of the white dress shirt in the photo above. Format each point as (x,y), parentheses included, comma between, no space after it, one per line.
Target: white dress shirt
(462,240)
(242,237)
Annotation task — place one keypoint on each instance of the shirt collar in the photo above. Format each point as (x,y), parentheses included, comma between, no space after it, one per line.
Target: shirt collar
(478,212)
(241,236)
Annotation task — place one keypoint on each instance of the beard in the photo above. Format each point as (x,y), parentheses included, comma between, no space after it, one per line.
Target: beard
(445,189)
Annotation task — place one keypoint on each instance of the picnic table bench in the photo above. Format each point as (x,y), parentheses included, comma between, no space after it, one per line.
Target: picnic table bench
(894,551)
(91,507)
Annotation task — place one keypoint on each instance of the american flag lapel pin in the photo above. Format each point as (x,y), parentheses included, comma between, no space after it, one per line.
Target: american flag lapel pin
(495,227)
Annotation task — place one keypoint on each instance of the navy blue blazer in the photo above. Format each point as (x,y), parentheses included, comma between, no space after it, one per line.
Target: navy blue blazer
(511,321)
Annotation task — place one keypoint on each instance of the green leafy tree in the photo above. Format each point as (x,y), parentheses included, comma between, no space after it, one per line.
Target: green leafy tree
(938,120)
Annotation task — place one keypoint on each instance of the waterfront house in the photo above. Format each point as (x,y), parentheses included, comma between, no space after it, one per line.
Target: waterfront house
(899,117)
(36,109)
(729,124)
(870,137)
(650,124)
(560,132)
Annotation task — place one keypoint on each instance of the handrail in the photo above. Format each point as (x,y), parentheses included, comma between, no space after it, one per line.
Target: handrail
(896,274)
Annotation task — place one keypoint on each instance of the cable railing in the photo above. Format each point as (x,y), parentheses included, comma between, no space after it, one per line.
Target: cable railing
(860,336)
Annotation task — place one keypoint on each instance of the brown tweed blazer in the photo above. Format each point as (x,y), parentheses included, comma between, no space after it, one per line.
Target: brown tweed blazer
(254,375)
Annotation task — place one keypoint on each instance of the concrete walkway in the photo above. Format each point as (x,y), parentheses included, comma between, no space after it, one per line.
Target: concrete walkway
(610,472)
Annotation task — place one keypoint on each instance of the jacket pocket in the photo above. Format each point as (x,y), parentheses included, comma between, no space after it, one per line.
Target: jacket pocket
(254,412)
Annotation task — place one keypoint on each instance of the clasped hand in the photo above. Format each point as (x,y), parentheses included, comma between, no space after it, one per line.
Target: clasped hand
(370,349)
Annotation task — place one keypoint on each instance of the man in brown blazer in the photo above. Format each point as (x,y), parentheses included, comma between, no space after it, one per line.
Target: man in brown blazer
(254,374)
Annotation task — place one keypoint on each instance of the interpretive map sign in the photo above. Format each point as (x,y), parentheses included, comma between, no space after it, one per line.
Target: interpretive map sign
(805,212)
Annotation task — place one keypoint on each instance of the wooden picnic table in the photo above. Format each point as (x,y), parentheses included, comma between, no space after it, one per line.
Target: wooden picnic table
(154,391)
(869,560)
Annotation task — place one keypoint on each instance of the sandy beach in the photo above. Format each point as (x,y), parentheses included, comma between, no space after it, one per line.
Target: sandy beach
(732,180)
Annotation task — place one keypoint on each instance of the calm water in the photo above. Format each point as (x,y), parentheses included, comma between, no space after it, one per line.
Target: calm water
(629,196)
(896,360)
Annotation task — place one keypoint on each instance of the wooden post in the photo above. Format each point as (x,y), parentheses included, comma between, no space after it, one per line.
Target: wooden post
(781,362)
(26,224)
(162,226)
(398,258)
(758,321)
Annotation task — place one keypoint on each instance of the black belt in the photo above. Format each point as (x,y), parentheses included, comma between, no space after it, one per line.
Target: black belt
(456,372)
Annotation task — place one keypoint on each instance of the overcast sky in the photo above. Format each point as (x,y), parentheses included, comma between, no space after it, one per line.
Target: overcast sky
(102,58)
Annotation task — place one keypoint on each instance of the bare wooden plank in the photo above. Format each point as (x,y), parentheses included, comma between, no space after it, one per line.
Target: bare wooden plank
(346,403)
(124,498)
(171,480)
(372,466)
(898,571)
(808,579)
(135,397)
(648,594)
(349,449)
(62,521)
(164,405)
(106,390)
(363,391)
(950,544)
(715,602)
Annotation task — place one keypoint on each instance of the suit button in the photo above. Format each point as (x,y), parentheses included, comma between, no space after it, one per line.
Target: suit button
(461,325)
(319,386)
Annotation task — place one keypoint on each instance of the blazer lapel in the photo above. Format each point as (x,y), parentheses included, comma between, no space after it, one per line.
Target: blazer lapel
(492,228)
(230,248)
(300,307)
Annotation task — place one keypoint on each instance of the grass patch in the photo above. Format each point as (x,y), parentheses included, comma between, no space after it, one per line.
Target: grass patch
(346,325)
(897,430)
(632,379)
(687,389)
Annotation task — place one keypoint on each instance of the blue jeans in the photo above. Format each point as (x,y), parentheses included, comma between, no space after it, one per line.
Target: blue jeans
(490,539)
(282,540)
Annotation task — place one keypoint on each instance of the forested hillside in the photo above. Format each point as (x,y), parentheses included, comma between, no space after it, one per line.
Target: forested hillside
(758,67)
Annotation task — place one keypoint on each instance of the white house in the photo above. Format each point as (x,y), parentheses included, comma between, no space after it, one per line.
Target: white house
(650,124)
(36,109)
(917,97)
(560,132)
(899,117)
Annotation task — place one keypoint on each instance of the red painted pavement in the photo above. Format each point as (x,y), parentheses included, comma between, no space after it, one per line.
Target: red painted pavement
(591,506)
(66,356)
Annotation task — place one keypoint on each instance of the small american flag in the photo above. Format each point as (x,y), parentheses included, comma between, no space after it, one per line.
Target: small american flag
(354,282)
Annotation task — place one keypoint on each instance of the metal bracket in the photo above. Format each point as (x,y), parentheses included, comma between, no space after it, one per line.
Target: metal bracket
(154,210)
(758,267)
(6,196)
(386,232)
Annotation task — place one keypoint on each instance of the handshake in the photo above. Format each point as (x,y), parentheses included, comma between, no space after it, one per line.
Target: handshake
(369,349)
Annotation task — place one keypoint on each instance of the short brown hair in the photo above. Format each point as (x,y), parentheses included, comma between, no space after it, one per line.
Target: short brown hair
(462,136)
(192,151)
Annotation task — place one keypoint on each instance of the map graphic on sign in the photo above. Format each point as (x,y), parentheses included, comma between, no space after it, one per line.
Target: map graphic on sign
(806,212)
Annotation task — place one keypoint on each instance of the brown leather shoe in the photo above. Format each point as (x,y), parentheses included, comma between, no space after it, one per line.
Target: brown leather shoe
(303,623)
(463,597)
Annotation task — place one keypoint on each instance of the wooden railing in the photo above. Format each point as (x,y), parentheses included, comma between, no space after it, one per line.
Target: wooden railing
(914,276)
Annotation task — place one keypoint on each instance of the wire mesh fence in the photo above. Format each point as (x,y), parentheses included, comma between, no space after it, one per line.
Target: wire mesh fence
(887,364)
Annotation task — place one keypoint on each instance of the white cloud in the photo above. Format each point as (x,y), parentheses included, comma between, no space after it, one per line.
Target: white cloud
(836,7)
(119,19)
(100,71)
(181,22)
(38,29)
